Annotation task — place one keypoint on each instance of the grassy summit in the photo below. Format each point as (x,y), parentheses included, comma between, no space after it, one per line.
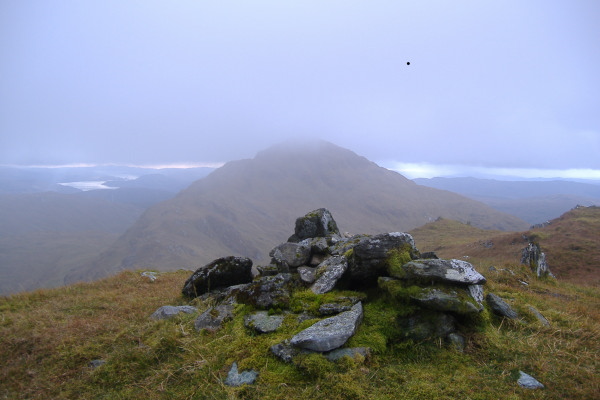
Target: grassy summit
(48,337)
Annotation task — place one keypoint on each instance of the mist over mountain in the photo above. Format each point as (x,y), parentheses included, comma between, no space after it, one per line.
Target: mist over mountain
(246,206)
(533,201)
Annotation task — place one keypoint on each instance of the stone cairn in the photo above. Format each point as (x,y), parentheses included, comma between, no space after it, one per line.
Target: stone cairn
(317,257)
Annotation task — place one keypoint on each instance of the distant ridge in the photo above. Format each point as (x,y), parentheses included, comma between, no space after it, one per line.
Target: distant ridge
(246,206)
(532,201)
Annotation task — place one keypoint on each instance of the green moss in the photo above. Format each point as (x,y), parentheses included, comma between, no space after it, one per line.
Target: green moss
(396,259)
(314,365)
(307,301)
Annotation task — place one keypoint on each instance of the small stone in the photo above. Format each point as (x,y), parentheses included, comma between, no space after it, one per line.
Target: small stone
(348,351)
(166,312)
(307,274)
(262,322)
(457,341)
(529,382)
(539,316)
(96,363)
(213,318)
(500,307)
(234,378)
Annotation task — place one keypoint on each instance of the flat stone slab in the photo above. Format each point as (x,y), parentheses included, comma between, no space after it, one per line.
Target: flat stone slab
(235,378)
(166,312)
(449,271)
(330,333)
(262,322)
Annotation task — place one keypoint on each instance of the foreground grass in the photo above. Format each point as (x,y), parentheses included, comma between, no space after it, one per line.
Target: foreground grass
(48,337)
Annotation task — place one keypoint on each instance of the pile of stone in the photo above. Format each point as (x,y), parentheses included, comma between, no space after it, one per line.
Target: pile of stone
(318,257)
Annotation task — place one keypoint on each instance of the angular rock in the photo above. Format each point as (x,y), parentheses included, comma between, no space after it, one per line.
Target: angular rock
(429,254)
(447,300)
(220,273)
(285,351)
(450,271)
(290,255)
(166,312)
(307,274)
(317,245)
(262,322)
(500,307)
(533,256)
(539,316)
(318,223)
(427,325)
(348,351)
(328,274)
(330,333)
(476,292)
(371,257)
(529,382)
(267,291)
(213,318)
(234,378)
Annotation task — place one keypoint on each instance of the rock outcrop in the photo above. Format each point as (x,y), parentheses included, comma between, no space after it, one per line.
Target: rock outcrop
(533,256)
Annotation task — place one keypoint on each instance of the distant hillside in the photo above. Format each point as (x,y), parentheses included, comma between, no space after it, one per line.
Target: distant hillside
(247,206)
(532,201)
(571,243)
(59,212)
(43,236)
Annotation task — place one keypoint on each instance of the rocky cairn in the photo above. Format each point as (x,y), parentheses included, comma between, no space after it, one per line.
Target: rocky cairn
(440,295)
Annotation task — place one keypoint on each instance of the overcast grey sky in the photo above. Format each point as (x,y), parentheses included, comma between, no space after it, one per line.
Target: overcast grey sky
(491,84)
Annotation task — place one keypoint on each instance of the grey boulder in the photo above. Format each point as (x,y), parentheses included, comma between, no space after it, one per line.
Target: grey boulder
(317,223)
(220,273)
(290,255)
(330,333)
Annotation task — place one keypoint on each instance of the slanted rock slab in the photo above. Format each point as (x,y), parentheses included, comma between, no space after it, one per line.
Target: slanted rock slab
(449,271)
(330,333)
(328,274)
(500,307)
(220,273)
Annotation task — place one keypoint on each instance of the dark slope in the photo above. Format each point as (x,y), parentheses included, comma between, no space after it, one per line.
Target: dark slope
(247,206)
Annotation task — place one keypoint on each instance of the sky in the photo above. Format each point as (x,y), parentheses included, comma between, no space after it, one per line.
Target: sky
(504,87)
